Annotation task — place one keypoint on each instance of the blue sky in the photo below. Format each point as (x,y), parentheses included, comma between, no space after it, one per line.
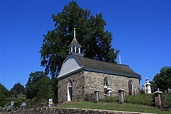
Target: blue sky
(141,30)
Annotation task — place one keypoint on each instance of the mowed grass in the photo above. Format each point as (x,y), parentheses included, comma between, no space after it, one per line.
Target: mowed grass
(113,106)
(144,99)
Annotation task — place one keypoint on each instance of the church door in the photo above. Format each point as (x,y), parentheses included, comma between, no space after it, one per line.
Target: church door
(69,91)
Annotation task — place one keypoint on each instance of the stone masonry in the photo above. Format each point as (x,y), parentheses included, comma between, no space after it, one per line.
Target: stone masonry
(77,87)
(84,83)
(46,110)
(95,81)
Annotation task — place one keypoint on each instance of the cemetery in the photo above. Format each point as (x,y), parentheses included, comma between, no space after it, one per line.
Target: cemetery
(82,74)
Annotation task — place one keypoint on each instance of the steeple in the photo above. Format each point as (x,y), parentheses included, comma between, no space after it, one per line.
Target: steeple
(74,47)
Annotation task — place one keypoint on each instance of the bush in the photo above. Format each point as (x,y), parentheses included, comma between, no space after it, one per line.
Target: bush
(37,102)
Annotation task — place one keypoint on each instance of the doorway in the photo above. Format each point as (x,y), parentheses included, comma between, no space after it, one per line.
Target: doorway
(69,90)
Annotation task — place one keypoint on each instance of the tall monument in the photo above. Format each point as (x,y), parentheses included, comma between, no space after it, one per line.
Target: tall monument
(147,87)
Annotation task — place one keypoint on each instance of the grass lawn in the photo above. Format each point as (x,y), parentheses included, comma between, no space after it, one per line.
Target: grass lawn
(113,106)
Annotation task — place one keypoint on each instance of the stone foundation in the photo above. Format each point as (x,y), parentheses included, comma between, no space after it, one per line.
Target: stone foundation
(46,110)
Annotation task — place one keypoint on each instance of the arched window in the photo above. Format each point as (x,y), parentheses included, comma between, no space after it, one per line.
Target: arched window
(106,83)
(130,87)
(69,90)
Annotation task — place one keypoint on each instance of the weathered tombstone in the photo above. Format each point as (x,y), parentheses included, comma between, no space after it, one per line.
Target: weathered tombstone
(97,95)
(12,104)
(23,105)
(121,96)
(50,102)
(157,98)
(135,91)
(144,88)
(109,91)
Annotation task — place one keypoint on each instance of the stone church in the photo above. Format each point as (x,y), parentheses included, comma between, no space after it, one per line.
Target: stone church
(80,77)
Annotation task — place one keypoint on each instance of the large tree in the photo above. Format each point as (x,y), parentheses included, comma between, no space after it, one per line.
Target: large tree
(90,33)
(163,79)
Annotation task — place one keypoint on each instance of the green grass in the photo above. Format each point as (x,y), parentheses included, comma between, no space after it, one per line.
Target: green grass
(145,99)
(113,106)
(167,99)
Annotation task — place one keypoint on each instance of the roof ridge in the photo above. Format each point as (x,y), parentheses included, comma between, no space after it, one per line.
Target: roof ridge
(104,61)
(106,67)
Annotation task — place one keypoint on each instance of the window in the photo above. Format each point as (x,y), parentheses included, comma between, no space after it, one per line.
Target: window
(130,87)
(106,83)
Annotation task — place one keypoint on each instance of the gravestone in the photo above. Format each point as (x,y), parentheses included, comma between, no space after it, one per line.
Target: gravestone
(12,104)
(157,98)
(109,91)
(121,96)
(50,102)
(97,95)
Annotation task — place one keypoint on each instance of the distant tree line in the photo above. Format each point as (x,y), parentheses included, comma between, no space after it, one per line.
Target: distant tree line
(38,89)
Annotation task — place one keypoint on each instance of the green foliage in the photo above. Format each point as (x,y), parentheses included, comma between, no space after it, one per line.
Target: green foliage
(17,95)
(4,94)
(90,32)
(55,90)
(17,89)
(153,86)
(37,101)
(39,87)
(18,99)
(163,79)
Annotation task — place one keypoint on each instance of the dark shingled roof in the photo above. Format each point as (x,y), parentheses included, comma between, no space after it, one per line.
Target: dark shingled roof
(105,67)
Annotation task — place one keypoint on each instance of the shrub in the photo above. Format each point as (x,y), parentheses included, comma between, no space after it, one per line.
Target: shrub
(37,102)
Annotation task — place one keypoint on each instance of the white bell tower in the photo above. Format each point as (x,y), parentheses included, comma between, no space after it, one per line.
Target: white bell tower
(74,47)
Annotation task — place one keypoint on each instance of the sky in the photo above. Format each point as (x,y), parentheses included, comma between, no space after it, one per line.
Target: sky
(141,30)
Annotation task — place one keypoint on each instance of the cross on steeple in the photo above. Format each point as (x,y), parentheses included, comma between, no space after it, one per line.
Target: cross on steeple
(74,47)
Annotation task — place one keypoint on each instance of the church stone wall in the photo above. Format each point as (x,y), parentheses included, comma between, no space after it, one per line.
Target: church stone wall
(77,80)
(95,82)
(85,83)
